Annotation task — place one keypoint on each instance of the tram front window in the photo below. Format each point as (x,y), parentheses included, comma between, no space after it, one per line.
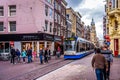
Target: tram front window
(69,46)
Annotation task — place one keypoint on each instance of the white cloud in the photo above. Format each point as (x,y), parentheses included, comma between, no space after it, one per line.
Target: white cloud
(92,9)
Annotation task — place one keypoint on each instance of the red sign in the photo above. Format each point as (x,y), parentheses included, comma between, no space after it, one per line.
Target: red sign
(11,42)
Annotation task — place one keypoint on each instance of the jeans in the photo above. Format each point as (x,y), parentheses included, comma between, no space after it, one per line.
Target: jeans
(99,74)
(29,59)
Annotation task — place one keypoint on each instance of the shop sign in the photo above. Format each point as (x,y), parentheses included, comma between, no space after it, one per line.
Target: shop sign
(30,37)
(48,37)
(57,38)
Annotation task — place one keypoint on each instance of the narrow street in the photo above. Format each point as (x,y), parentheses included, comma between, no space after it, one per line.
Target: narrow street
(81,70)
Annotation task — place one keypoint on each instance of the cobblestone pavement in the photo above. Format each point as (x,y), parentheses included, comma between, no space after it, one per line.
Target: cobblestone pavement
(25,71)
(81,70)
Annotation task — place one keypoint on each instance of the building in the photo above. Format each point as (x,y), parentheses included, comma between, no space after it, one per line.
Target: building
(93,37)
(26,23)
(68,27)
(72,15)
(79,25)
(59,21)
(87,32)
(112,9)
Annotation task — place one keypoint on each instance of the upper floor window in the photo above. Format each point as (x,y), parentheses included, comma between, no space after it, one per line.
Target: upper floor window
(56,17)
(46,25)
(1,26)
(55,5)
(59,7)
(116,25)
(1,11)
(46,10)
(114,3)
(50,1)
(12,10)
(50,13)
(50,27)
(12,25)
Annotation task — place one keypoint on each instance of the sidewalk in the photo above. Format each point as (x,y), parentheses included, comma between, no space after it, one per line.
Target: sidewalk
(9,71)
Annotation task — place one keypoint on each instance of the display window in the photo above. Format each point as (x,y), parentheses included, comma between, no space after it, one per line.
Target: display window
(4,47)
(41,45)
(26,45)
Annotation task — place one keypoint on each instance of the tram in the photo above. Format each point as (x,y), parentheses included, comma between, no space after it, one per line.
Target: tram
(76,48)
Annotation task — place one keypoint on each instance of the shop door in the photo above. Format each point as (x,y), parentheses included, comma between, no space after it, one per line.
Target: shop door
(116,47)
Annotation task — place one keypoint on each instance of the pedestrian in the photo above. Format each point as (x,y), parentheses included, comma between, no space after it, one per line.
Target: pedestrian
(108,56)
(23,54)
(29,54)
(18,55)
(13,54)
(95,50)
(41,55)
(49,54)
(58,52)
(46,55)
(34,55)
(98,62)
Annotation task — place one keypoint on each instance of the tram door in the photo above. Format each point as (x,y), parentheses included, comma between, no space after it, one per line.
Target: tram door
(116,47)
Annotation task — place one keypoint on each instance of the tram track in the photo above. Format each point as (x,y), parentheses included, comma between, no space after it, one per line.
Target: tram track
(34,74)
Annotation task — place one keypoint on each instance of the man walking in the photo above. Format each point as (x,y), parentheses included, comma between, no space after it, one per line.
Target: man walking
(108,56)
(98,62)
(13,54)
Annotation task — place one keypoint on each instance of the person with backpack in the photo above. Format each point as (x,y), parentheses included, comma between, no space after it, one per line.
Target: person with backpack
(18,55)
(108,56)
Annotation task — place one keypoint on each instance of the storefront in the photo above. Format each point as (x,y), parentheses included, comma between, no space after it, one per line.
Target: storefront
(23,41)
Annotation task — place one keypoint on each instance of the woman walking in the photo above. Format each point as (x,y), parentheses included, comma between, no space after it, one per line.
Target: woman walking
(23,55)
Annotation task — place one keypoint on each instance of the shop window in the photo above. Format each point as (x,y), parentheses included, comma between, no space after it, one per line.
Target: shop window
(26,45)
(1,47)
(7,47)
(41,45)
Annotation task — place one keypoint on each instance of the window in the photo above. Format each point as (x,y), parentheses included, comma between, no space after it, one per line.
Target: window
(55,17)
(51,13)
(46,25)
(55,5)
(116,25)
(46,10)
(59,7)
(59,19)
(12,10)
(50,27)
(1,11)
(12,25)
(116,3)
(50,1)
(1,26)
(58,30)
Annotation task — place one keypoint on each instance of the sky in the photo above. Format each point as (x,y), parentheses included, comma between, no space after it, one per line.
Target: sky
(90,9)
